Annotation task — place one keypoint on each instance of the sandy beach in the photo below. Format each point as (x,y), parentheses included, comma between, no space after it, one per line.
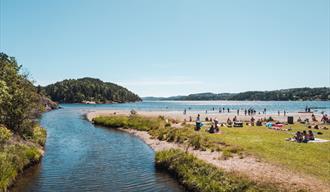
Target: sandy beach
(254,168)
(222,117)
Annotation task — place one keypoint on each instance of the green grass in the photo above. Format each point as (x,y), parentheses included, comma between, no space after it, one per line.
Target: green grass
(16,154)
(310,158)
(270,145)
(197,175)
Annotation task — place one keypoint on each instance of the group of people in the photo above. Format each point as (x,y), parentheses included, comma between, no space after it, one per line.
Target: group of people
(303,137)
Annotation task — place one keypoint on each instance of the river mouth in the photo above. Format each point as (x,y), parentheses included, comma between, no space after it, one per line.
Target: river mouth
(82,157)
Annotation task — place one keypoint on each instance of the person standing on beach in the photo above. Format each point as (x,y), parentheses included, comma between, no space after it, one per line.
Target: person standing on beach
(198,117)
(245,112)
(284,113)
(278,112)
(228,110)
(185,111)
(237,112)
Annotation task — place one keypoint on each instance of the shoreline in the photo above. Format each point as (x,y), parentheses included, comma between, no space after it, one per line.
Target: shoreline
(252,167)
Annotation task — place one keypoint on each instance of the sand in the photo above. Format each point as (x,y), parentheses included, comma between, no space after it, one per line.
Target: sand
(222,117)
(250,166)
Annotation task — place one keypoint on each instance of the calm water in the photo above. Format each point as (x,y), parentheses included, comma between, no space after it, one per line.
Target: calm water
(197,106)
(81,157)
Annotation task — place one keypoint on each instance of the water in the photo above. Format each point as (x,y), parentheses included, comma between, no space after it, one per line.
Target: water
(197,106)
(81,157)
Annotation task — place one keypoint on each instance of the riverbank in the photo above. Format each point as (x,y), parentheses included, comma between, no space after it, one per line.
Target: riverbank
(255,166)
(17,154)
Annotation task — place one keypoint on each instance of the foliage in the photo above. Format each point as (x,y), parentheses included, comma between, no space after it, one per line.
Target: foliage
(197,175)
(89,89)
(39,135)
(19,100)
(5,135)
(321,93)
(14,156)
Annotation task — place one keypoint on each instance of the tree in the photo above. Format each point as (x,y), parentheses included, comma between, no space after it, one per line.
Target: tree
(18,97)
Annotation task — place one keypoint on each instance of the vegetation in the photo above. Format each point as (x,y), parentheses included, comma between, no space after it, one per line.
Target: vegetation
(269,145)
(19,100)
(15,155)
(197,175)
(21,139)
(322,93)
(89,89)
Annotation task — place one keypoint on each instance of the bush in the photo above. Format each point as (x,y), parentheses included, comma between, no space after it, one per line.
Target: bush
(5,135)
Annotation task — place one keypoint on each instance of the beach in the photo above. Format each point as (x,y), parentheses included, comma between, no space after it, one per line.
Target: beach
(222,117)
(255,168)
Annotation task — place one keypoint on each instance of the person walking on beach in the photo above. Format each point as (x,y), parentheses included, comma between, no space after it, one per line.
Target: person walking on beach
(185,111)
(228,110)
(237,112)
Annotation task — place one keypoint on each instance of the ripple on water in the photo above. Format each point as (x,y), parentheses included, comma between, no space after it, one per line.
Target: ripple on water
(81,157)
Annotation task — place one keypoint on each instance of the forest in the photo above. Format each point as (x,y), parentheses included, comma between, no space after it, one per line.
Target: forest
(294,94)
(89,89)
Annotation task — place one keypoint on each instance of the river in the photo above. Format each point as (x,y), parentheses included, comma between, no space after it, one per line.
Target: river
(82,157)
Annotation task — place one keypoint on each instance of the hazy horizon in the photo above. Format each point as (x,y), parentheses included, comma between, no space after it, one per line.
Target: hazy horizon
(169,48)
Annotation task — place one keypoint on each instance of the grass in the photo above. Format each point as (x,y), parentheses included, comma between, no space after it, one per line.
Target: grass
(197,175)
(310,158)
(270,145)
(15,154)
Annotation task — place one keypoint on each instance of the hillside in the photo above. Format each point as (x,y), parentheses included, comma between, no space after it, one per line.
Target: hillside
(89,89)
(322,93)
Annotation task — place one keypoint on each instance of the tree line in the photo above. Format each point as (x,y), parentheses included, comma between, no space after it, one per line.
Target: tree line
(89,89)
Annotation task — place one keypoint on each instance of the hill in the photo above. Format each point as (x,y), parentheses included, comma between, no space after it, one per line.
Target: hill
(321,93)
(89,89)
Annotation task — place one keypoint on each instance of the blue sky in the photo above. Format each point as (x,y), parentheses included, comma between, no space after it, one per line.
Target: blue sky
(172,47)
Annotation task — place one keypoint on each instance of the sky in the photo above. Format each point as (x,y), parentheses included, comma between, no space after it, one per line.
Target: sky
(172,47)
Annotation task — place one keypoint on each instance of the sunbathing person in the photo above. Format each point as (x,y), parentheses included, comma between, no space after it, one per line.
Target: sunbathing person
(305,136)
(235,119)
(311,135)
(314,118)
(299,137)
(211,129)
(229,122)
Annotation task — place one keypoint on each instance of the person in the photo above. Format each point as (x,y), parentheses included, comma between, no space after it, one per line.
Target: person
(311,135)
(219,110)
(190,118)
(228,110)
(265,111)
(229,122)
(284,113)
(198,117)
(278,112)
(235,119)
(185,111)
(237,112)
(305,136)
(299,119)
(206,119)
(245,112)
(216,122)
(324,118)
(299,137)
(313,117)
(211,129)
(206,112)
(252,121)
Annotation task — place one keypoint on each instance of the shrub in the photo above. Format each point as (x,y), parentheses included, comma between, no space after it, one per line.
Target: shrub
(5,135)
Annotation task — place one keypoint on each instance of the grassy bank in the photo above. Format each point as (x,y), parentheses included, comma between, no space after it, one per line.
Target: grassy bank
(198,176)
(16,153)
(312,158)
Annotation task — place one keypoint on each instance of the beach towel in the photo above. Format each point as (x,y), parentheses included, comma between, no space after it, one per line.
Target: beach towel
(317,140)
